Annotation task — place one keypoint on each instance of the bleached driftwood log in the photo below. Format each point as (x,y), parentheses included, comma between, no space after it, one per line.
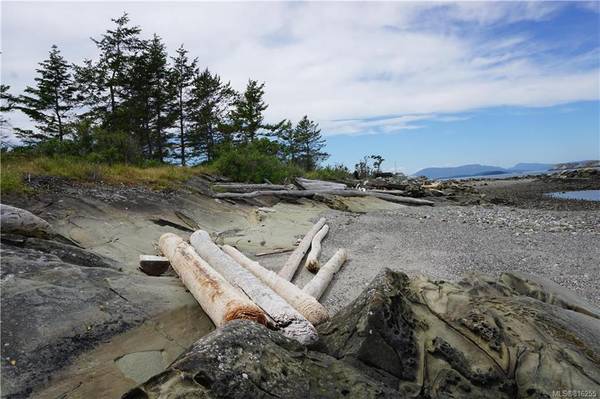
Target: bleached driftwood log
(312,259)
(287,319)
(19,221)
(321,280)
(220,300)
(311,193)
(291,265)
(246,188)
(310,184)
(307,305)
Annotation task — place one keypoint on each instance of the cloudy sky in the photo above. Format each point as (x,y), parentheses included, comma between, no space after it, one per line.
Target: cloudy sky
(423,83)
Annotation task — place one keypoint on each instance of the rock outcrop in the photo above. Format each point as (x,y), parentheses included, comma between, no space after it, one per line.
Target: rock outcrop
(405,338)
(59,301)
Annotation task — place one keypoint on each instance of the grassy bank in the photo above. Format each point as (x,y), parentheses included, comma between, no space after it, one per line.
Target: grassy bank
(15,169)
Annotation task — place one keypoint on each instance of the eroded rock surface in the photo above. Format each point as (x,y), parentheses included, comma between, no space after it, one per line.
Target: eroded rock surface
(403,338)
(59,301)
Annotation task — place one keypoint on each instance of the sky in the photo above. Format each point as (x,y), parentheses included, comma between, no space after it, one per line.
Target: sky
(420,83)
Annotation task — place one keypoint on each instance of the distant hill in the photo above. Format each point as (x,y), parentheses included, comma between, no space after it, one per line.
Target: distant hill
(480,170)
(460,171)
(531,167)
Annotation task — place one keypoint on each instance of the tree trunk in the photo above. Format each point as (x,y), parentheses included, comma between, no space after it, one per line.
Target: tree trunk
(320,282)
(291,265)
(307,305)
(291,323)
(342,193)
(220,300)
(181,129)
(312,260)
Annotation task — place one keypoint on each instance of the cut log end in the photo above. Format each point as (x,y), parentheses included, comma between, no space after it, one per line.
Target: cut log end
(313,265)
(245,313)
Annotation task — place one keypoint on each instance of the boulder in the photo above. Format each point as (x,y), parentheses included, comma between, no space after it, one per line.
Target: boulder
(401,338)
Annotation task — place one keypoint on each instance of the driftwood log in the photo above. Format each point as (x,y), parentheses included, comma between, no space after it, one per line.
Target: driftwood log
(287,319)
(306,304)
(275,251)
(310,184)
(312,259)
(291,265)
(220,300)
(19,221)
(246,188)
(321,280)
(311,193)
(391,192)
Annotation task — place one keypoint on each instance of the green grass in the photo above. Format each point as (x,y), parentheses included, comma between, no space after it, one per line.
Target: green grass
(16,168)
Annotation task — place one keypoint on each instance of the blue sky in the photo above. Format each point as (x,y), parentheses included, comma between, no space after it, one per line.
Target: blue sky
(422,83)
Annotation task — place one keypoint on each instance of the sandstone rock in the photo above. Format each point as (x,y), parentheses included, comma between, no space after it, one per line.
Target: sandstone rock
(59,301)
(401,338)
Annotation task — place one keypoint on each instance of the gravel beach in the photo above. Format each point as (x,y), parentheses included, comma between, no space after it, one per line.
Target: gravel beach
(448,241)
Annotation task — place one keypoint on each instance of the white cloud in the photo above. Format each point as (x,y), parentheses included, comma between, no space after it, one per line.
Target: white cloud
(331,61)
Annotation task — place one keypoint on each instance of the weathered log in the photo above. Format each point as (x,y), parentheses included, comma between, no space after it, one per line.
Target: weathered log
(220,300)
(288,320)
(154,265)
(310,184)
(275,251)
(391,192)
(321,280)
(291,265)
(342,193)
(306,304)
(246,188)
(312,259)
(19,221)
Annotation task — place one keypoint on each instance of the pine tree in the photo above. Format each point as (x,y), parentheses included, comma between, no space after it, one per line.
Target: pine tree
(108,80)
(287,137)
(7,104)
(50,101)
(247,117)
(310,143)
(210,101)
(150,98)
(182,75)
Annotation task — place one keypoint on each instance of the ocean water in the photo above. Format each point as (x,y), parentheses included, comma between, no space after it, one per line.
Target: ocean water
(585,195)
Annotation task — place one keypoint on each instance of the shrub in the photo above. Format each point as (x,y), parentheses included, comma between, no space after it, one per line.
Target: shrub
(249,163)
(335,172)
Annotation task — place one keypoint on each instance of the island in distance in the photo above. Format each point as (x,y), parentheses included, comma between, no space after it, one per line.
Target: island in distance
(472,170)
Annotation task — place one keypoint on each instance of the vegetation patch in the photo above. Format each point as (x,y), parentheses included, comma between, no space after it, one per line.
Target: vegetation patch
(17,169)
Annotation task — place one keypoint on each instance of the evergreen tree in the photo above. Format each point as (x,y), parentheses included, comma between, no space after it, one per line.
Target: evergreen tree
(7,104)
(182,75)
(150,98)
(210,100)
(310,143)
(287,137)
(50,101)
(109,79)
(247,117)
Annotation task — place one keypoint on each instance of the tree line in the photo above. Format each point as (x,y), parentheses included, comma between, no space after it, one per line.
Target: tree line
(134,103)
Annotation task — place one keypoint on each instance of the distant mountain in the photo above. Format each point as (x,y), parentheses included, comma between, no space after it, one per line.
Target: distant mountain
(531,167)
(480,170)
(460,171)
